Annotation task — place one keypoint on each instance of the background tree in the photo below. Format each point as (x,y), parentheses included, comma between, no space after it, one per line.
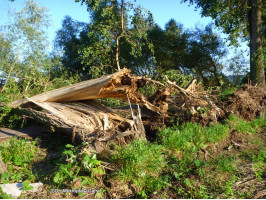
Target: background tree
(112,21)
(238,66)
(204,55)
(240,19)
(23,53)
(169,46)
(69,39)
(198,52)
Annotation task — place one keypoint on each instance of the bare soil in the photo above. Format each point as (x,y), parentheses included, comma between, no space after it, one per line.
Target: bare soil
(247,102)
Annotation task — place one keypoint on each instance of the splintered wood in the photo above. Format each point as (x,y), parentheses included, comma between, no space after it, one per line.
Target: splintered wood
(74,111)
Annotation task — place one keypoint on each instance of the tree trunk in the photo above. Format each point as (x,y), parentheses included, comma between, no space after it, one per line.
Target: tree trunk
(256,50)
(117,54)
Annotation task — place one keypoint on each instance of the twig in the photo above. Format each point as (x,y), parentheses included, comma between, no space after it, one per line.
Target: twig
(236,144)
(153,81)
(206,153)
(187,94)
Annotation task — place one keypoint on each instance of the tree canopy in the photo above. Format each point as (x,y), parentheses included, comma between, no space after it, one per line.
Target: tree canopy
(240,19)
(111,22)
(23,51)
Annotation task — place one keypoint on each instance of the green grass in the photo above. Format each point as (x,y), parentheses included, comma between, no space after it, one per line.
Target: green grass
(192,136)
(243,126)
(224,94)
(175,162)
(141,163)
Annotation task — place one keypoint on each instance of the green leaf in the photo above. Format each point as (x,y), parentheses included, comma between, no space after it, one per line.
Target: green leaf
(5,175)
(57,178)
(69,146)
(27,186)
(100,170)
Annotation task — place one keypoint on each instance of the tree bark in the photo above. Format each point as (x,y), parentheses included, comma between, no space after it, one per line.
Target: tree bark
(256,42)
(117,54)
(2,166)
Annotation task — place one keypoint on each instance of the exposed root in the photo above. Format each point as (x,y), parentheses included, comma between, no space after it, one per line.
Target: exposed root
(206,154)
(236,144)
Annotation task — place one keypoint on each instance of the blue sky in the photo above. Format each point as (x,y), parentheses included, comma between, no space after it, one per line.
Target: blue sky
(162,10)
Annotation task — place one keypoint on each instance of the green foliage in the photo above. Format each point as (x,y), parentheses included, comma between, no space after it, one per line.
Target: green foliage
(225,163)
(25,38)
(111,22)
(237,19)
(26,185)
(243,126)
(112,102)
(4,195)
(173,75)
(177,163)
(23,54)
(177,76)
(238,66)
(141,163)
(226,93)
(10,118)
(230,16)
(77,162)
(198,52)
(18,154)
(191,137)
(69,39)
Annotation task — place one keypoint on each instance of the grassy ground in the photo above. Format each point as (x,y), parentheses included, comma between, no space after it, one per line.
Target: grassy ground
(225,160)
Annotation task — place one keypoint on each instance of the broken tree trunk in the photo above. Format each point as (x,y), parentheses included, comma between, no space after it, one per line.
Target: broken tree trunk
(117,85)
(74,111)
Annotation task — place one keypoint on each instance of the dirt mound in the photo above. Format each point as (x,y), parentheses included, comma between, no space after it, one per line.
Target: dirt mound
(247,102)
(202,109)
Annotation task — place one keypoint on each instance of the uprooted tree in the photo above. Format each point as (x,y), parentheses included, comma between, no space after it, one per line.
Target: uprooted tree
(75,111)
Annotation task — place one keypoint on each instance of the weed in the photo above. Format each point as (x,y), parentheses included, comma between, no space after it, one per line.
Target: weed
(10,118)
(225,163)
(26,185)
(76,161)
(4,195)
(259,165)
(4,177)
(18,154)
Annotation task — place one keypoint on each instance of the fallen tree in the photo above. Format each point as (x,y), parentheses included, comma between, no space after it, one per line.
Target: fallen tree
(74,111)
